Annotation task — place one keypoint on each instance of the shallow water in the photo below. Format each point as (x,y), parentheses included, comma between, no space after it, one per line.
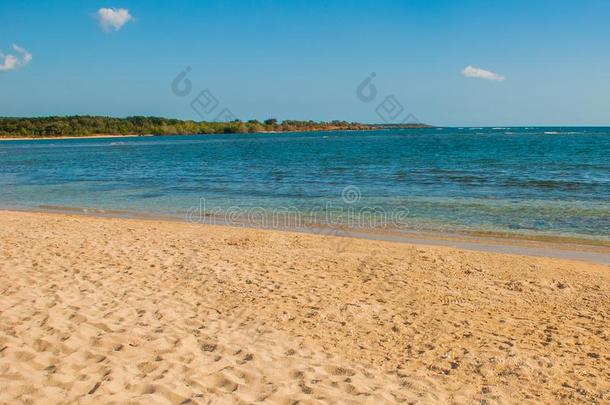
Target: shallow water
(533,181)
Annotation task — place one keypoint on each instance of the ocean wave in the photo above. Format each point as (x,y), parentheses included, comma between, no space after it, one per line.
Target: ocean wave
(564,132)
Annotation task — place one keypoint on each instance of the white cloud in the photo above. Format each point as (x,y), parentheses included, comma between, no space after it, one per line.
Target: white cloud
(10,62)
(470,71)
(113,18)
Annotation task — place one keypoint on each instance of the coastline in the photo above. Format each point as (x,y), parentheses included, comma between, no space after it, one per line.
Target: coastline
(100,136)
(117,309)
(560,247)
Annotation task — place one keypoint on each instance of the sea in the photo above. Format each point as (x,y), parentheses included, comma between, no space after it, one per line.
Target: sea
(528,181)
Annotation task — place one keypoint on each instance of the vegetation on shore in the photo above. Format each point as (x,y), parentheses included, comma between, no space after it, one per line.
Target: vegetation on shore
(85,125)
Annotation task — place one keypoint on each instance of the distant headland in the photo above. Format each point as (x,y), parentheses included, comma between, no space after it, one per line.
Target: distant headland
(86,125)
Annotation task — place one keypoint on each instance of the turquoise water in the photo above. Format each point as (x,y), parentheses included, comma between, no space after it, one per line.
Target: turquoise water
(540,181)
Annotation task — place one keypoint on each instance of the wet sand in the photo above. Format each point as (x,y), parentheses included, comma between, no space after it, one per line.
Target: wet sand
(146,311)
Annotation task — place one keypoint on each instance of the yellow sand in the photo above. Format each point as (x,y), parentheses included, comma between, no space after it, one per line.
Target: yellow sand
(97,310)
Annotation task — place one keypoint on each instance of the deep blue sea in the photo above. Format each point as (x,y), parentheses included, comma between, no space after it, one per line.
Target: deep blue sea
(534,181)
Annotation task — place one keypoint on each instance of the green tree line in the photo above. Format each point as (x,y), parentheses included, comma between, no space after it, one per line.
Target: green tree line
(85,125)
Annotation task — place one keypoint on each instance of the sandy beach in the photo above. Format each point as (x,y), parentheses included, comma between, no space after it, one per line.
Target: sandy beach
(95,136)
(98,310)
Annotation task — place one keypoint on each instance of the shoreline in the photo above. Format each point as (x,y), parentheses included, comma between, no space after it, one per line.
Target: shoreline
(556,247)
(102,136)
(96,136)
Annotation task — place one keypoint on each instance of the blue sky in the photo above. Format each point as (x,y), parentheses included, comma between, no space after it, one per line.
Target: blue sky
(305,59)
